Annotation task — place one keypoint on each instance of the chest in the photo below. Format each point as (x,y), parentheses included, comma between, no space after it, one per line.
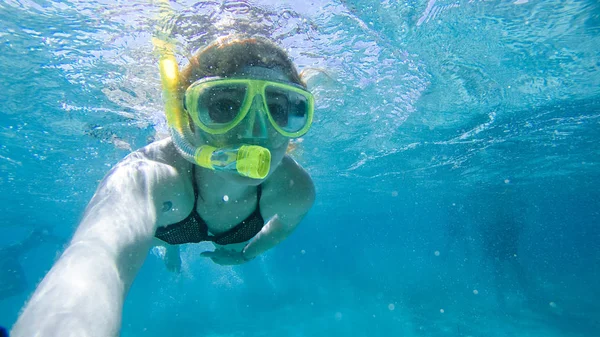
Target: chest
(224,211)
(220,208)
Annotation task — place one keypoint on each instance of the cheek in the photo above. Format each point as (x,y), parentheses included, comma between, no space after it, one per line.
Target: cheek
(278,141)
(277,152)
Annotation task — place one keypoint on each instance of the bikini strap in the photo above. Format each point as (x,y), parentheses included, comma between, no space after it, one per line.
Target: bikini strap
(195,186)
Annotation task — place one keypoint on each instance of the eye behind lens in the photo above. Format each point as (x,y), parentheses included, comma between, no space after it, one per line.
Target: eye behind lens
(221,104)
(289,109)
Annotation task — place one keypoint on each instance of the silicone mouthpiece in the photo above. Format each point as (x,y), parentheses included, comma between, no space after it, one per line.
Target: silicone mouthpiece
(251,161)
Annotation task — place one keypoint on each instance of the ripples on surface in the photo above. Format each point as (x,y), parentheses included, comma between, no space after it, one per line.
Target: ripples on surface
(428,91)
(501,76)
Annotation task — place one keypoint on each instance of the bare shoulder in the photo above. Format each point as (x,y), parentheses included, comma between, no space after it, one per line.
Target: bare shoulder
(162,151)
(156,165)
(160,159)
(162,174)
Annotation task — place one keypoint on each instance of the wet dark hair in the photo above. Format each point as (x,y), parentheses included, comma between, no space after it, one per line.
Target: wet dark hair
(230,54)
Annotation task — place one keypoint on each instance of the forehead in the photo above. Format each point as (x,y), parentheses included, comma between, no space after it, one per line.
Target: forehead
(262,73)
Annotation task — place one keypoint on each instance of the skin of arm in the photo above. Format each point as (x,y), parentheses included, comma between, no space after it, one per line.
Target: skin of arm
(84,292)
(287,198)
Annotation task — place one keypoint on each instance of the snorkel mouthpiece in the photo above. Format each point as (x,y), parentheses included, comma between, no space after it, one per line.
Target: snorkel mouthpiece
(253,161)
(247,160)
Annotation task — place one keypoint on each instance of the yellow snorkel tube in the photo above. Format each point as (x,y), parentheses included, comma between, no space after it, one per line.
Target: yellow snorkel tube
(247,160)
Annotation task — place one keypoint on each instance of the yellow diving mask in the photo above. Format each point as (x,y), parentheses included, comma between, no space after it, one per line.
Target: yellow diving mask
(247,160)
(217,104)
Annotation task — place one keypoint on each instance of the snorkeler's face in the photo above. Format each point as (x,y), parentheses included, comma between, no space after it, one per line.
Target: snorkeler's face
(255,128)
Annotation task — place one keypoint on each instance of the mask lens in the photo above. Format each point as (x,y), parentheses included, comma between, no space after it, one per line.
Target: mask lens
(288,109)
(220,104)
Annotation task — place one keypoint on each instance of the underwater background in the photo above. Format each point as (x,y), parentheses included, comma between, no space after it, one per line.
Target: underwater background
(455,151)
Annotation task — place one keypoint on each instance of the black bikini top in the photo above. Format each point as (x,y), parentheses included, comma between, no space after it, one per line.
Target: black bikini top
(193,229)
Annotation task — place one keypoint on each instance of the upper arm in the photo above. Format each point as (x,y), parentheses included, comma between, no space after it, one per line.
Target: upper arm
(85,289)
(121,217)
(289,193)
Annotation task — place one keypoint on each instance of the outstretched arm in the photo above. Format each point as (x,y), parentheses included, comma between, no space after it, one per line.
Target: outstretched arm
(83,293)
(290,196)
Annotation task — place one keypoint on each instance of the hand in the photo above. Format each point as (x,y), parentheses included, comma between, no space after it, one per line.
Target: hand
(225,257)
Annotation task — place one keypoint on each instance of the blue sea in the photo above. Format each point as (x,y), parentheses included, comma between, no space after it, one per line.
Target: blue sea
(455,152)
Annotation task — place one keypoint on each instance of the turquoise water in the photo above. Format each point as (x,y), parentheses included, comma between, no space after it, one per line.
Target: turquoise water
(455,153)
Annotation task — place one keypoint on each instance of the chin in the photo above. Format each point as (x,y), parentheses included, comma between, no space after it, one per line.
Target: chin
(238,179)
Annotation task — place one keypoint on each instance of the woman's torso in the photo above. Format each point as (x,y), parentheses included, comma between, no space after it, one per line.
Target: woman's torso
(287,192)
(187,192)
(194,228)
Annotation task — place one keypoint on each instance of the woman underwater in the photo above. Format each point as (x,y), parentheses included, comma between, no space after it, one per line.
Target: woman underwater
(223,176)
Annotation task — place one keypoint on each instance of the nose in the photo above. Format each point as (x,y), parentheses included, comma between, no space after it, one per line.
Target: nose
(256,120)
